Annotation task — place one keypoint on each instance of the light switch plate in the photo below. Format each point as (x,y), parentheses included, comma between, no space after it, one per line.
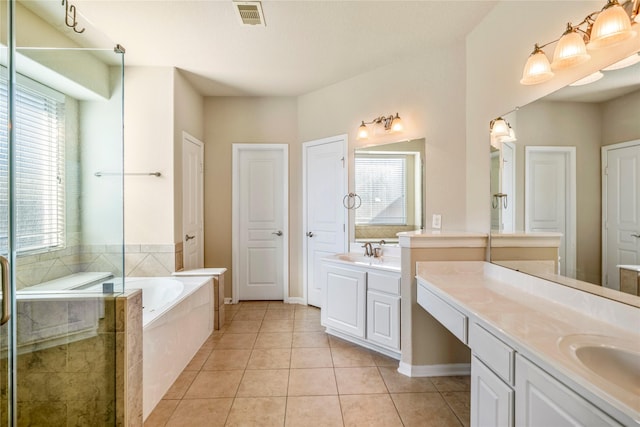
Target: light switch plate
(436,221)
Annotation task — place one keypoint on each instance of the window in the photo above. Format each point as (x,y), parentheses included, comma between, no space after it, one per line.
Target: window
(381,184)
(39,168)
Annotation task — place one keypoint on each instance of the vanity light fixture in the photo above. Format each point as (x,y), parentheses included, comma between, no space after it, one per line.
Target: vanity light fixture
(603,28)
(390,123)
(501,131)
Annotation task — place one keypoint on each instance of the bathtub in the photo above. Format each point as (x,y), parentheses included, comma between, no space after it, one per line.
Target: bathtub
(177,318)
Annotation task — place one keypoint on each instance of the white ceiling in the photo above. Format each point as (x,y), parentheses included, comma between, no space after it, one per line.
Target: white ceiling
(306,45)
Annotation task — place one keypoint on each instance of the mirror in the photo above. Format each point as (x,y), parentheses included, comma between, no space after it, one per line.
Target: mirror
(571,168)
(389,187)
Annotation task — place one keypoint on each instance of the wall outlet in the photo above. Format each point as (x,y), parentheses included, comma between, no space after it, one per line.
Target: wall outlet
(436,221)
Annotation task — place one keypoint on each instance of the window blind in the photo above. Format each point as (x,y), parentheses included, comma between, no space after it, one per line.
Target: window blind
(39,168)
(381,184)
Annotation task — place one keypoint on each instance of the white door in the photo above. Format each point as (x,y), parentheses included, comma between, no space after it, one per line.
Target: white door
(508,187)
(260,221)
(550,198)
(325,217)
(192,202)
(621,210)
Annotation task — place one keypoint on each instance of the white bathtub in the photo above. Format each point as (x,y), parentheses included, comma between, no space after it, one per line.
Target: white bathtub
(177,319)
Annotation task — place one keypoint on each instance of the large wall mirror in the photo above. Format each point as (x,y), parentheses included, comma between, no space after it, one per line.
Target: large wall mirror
(389,184)
(570,185)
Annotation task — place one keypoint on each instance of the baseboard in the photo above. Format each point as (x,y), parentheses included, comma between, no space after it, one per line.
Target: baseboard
(228,300)
(448,370)
(295,300)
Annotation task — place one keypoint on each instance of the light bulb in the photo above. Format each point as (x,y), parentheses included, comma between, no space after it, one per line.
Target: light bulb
(363,132)
(570,50)
(499,128)
(396,124)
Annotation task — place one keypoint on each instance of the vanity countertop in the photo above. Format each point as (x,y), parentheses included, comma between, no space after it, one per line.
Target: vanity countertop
(388,263)
(431,238)
(535,317)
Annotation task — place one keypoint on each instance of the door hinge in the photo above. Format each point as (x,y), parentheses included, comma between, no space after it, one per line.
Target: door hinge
(606,170)
(342,160)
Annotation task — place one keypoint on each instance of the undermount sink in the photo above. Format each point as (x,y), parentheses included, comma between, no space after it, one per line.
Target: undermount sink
(615,360)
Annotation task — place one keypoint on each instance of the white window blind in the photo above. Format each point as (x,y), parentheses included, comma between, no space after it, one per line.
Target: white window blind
(39,169)
(381,184)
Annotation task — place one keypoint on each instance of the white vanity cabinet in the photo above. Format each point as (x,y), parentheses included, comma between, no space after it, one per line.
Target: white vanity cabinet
(541,400)
(362,304)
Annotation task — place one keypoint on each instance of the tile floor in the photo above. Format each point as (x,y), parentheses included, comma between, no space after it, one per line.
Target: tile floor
(272,365)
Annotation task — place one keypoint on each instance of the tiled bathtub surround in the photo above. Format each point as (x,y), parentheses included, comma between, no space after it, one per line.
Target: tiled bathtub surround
(273,365)
(152,260)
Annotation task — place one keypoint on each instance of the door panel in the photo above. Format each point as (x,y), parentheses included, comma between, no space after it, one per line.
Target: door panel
(261,212)
(325,215)
(192,203)
(622,246)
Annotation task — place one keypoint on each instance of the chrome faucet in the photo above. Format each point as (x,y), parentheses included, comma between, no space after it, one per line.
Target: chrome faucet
(377,252)
(368,249)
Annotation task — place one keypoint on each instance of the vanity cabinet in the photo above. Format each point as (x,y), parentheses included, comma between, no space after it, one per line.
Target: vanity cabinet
(541,400)
(492,399)
(362,304)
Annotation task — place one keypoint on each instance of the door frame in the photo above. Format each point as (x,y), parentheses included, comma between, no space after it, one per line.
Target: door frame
(187,138)
(570,207)
(305,199)
(603,170)
(235,204)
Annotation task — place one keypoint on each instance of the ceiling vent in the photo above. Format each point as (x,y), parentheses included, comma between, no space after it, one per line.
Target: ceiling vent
(249,13)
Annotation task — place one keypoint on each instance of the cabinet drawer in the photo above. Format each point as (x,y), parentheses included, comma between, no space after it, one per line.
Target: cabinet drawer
(444,313)
(494,353)
(383,282)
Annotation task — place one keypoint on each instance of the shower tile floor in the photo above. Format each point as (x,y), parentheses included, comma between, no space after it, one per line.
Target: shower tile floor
(272,365)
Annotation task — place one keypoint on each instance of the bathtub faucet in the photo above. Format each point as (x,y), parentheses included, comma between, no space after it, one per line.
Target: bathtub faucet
(368,249)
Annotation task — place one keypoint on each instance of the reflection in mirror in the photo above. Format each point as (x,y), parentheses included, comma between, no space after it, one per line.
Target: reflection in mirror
(571,191)
(388,180)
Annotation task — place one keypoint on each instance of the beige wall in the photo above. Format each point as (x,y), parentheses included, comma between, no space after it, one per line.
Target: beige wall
(229,120)
(619,123)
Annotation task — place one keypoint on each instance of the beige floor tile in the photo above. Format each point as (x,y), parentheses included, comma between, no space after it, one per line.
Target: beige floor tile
(424,410)
(279,315)
(307,326)
(369,410)
(210,384)
(254,305)
(236,341)
(257,411)
(312,382)
(460,404)
(161,413)
(308,315)
(273,340)
(311,358)
(200,412)
(382,360)
(310,339)
(250,315)
(398,383)
(264,382)
(270,358)
(456,383)
(277,326)
(180,385)
(339,342)
(365,380)
(224,360)
(244,326)
(198,360)
(351,356)
(281,305)
(316,411)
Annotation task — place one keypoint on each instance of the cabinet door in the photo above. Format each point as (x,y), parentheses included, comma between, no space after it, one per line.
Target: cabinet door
(344,301)
(541,400)
(491,398)
(383,319)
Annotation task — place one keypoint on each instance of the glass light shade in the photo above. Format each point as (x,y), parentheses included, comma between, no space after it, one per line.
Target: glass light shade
(589,79)
(511,137)
(396,124)
(500,128)
(570,51)
(363,132)
(626,62)
(612,26)
(537,69)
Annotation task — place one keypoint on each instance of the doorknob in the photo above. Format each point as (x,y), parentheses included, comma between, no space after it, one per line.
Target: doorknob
(187,237)
(309,234)
(6,298)
(277,233)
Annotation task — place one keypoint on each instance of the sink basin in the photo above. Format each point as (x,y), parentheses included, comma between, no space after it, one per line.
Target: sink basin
(386,263)
(615,360)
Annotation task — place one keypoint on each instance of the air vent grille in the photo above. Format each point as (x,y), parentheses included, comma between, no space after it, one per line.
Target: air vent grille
(249,13)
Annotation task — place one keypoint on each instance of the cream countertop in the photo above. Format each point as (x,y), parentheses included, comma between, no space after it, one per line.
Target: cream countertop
(504,302)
